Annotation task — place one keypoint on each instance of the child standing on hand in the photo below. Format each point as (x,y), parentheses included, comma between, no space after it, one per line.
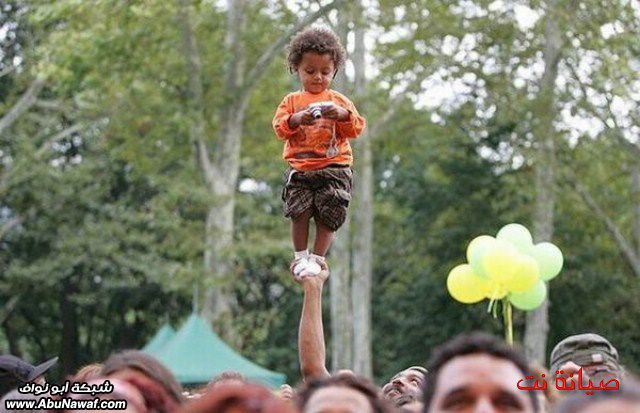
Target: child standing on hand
(316,124)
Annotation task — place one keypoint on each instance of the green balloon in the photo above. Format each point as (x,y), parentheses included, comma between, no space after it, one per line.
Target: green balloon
(549,259)
(476,252)
(518,236)
(530,299)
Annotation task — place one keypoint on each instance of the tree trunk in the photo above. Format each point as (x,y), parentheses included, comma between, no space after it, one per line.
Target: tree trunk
(12,338)
(69,329)
(5,322)
(219,235)
(635,202)
(537,325)
(220,175)
(341,311)
(222,183)
(8,307)
(340,284)
(363,222)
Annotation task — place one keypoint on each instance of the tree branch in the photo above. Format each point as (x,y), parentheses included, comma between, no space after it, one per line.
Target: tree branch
(382,122)
(51,105)
(195,104)
(635,201)
(47,145)
(385,119)
(8,308)
(7,70)
(625,247)
(257,71)
(27,100)
(594,111)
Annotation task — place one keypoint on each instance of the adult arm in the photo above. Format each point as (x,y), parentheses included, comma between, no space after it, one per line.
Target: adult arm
(311,345)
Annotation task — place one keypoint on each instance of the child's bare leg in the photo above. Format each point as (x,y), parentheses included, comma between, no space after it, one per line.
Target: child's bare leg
(300,230)
(324,238)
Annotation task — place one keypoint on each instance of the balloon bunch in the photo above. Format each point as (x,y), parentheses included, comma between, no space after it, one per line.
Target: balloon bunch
(508,267)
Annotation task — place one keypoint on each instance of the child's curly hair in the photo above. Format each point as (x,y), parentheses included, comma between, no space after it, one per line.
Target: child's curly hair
(315,39)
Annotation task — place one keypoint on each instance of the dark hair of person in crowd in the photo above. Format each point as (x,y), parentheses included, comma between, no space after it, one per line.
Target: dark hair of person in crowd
(318,40)
(472,344)
(227,377)
(121,390)
(626,399)
(88,372)
(248,398)
(350,381)
(161,390)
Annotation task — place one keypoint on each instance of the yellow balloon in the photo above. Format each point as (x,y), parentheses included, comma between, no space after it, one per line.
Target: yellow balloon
(466,286)
(527,274)
(495,291)
(500,262)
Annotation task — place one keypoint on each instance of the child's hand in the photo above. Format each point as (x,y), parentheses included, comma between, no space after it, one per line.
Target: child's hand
(335,112)
(304,117)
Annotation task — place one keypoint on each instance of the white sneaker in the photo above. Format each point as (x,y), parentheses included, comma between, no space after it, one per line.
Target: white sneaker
(302,265)
(313,268)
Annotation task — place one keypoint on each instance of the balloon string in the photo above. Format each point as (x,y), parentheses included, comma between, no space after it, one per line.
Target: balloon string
(508,321)
(490,305)
(493,302)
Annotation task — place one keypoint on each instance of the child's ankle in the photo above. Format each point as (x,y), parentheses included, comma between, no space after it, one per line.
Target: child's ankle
(318,258)
(301,254)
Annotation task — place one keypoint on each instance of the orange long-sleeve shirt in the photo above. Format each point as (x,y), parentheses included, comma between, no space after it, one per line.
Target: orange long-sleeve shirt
(306,146)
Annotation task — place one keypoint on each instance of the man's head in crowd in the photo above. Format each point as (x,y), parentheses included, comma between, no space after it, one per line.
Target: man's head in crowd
(228,377)
(343,393)
(593,353)
(15,372)
(477,373)
(625,400)
(232,398)
(405,387)
(121,390)
(88,372)
(156,383)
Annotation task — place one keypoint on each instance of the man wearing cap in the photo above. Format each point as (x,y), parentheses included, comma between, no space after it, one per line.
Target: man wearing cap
(15,372)
(592,353)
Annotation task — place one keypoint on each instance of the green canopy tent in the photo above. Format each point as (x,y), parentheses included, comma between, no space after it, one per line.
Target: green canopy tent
(162,337)
(196,354)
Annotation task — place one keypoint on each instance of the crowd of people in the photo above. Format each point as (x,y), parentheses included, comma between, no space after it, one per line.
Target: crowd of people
(473,372)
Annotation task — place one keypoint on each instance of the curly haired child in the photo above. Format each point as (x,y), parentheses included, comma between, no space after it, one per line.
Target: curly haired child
(316,124)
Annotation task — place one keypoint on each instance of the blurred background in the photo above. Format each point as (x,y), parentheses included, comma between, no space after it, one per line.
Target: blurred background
(140,177)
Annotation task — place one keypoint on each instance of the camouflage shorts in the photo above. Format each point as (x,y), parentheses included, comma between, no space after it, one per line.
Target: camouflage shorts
(327,192)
